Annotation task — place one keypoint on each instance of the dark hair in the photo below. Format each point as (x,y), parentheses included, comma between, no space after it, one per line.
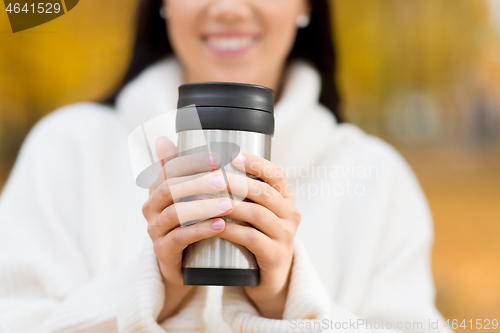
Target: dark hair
(313,44)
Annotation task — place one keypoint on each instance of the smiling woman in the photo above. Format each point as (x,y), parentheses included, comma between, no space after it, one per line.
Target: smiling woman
(204,36)
(89,251)
(266,27)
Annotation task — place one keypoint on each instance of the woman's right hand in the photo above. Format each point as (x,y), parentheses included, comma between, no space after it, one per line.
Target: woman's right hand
(182,177)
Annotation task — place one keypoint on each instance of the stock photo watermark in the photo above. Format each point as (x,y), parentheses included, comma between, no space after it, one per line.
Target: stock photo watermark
(364,324)
(204,155)
(338,180)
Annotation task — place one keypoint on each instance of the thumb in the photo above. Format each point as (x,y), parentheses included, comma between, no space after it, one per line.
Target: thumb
(165,149)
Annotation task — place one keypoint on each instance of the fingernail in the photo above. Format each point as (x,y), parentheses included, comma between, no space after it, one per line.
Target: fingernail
(219,182)
(213,159)
(217,224)
(240,158)
(225,205)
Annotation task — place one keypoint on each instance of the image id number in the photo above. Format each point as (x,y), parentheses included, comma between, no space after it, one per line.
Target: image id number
(479,324)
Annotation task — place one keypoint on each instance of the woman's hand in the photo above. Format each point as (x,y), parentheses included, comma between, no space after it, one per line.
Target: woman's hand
(272,212)
(275,218)
(165,217)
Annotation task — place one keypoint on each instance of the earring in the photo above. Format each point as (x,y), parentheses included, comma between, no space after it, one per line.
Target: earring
(302,21)
(164,13)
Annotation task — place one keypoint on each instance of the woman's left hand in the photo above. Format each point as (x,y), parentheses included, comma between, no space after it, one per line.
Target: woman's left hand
(276,219)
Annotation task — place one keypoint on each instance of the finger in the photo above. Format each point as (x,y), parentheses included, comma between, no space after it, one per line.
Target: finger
(259,192)
(179,238)
(254,240)
(192,164)
(207,184)
(258,216)
(159,199)
(265,170)
(164,148)
(199,210)
(182,212)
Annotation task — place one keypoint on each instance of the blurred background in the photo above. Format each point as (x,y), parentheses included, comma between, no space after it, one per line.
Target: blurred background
(423,75)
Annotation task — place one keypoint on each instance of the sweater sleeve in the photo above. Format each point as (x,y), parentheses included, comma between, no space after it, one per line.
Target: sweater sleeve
(45,281)
(398,296)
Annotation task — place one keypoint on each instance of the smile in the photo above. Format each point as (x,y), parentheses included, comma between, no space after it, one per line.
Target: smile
(229,45)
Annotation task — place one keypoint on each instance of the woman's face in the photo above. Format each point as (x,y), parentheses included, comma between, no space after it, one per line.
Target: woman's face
(243,41)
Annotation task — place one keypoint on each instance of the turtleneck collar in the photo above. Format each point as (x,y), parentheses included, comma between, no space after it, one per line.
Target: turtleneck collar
(151,94)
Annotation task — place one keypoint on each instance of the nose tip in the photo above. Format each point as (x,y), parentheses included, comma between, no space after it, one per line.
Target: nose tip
(230,11)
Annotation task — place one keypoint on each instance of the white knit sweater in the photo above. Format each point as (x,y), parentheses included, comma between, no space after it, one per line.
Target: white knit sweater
(75,255)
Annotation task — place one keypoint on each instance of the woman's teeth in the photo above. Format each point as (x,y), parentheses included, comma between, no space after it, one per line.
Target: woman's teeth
(229,43)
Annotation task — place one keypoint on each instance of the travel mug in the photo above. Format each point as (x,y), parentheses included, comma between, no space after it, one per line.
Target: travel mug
(228,118)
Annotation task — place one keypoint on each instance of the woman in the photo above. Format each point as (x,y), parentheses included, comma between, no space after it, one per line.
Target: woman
(74,223)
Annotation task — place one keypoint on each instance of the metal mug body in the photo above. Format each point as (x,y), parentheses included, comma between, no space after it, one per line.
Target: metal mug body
(216,261)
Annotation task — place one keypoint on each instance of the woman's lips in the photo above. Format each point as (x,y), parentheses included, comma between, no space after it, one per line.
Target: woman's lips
(229,44)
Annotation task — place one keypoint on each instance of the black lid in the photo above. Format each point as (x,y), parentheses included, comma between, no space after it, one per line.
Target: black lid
(224,118)
(226,94)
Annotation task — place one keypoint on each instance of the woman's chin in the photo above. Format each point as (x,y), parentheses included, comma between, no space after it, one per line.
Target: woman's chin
(240,75)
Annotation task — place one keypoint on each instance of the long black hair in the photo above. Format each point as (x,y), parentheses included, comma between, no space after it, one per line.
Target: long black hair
(313,44)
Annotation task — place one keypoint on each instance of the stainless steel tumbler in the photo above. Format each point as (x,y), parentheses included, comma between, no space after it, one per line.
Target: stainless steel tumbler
(228,118)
